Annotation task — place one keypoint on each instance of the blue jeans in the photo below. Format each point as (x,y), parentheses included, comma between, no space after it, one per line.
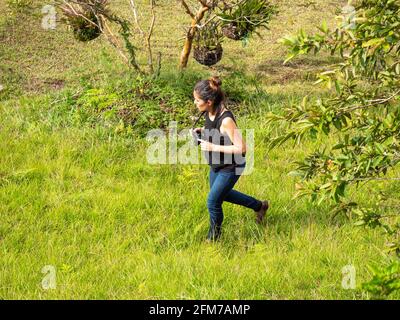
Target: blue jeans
(221,189)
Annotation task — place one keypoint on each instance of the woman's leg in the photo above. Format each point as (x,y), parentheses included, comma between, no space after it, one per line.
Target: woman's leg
(213,175)
(221,184)
(244,200)
(237,197)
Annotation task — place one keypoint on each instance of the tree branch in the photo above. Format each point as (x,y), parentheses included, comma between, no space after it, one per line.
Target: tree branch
(191,33)
(188,11)
(150,33)
(373,103)
(135,15)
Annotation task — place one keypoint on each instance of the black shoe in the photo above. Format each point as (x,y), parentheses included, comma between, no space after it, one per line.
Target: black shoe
(260,214)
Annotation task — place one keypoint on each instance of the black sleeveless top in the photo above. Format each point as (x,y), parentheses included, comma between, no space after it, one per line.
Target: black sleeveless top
(219,160)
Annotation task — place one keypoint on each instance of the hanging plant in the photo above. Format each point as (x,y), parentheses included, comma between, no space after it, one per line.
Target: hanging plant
(207,44)
(233,32)
(82,16)
(243,18)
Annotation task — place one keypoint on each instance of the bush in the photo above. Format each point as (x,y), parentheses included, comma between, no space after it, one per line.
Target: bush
(142,105)
(19,6)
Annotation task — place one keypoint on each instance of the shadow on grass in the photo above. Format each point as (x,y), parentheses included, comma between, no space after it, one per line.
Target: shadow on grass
(299,69)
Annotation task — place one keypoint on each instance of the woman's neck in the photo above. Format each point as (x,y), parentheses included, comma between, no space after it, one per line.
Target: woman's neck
(213,112)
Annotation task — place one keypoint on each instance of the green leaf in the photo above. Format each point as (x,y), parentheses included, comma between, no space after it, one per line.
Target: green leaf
(326,185)
(296,173)
(290,57)
(324,27)
(373,42)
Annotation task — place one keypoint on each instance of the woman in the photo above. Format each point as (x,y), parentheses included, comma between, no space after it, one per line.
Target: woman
(225,151)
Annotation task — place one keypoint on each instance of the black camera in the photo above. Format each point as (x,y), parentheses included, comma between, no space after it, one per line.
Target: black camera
(196,136)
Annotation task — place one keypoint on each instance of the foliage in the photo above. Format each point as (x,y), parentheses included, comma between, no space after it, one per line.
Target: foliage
(235,20)
(146,103)
(90,18)
(209,36)
(248,16)
(19,6)
(362,115)
(385,281)
(84,17)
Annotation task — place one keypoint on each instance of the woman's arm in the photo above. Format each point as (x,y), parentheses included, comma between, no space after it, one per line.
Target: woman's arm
(199,129)
(229,127)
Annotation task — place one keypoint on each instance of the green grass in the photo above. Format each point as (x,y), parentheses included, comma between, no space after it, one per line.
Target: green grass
(86,201)
(79,196)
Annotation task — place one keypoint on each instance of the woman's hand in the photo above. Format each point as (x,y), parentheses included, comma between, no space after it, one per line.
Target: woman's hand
(207,146)
(196,132)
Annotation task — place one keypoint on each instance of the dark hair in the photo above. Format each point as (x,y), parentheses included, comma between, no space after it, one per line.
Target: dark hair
(210,90)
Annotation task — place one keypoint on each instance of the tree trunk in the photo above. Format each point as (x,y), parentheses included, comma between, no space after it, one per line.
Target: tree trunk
(190,36)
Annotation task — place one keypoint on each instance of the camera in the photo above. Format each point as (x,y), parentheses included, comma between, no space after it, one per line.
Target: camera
(196,136)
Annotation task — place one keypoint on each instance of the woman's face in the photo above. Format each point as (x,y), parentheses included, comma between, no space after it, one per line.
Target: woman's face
(201,104)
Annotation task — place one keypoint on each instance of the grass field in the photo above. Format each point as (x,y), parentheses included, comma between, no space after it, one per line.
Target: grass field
(81,197)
